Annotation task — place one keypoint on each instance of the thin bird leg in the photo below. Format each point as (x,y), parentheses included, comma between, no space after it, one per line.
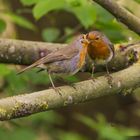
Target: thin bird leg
(92,72)
(109,77)
(107,69)
(93,68)
(53,84)
(51,81)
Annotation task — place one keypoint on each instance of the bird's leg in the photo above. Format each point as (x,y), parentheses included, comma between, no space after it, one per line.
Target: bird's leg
(53,84)
(107,69)
(92,72)
(109,77)
(51,81)
(93,68)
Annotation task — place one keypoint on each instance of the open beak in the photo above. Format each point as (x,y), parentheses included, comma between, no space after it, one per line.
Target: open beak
(85,40)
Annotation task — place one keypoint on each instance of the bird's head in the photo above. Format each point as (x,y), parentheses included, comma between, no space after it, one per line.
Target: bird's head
(85,42)
(94,38)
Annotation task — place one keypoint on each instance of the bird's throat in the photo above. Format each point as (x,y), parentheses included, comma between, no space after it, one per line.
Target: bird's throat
(82,57)
(99,51)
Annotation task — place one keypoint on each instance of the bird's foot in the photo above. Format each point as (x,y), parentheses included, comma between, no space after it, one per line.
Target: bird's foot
(109,79)
(73,86)
(92,78)
(57,90)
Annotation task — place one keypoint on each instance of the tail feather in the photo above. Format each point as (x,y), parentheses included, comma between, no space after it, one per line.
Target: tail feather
(27,68)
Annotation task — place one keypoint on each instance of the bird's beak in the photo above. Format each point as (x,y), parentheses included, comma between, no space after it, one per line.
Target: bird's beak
(86,41)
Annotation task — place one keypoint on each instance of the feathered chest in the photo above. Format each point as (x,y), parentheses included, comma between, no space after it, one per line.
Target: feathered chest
(99,51)
(82,56)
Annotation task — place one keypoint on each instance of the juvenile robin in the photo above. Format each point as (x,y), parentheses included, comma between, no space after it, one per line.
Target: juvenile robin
(100,49)
(65,61)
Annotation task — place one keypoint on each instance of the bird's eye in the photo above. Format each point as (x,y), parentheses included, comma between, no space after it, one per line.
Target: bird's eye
(82,41)
(97,38)
(83,36)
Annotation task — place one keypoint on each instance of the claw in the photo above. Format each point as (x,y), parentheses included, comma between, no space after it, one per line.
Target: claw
(92,78)
(109,79)
(56,89)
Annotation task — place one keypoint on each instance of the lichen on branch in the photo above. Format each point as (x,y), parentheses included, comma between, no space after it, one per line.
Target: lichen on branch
(27,104)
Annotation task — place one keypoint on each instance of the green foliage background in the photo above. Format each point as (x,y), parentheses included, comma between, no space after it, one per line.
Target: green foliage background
(60,21)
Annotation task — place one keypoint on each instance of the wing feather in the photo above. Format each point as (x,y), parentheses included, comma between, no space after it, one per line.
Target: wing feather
(59,55)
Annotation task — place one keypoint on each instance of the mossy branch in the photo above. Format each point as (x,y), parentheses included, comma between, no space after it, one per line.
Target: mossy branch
(27,104)
(121,14)
(26,52)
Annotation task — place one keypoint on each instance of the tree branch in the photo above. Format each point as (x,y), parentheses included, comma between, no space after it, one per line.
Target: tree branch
(24,52)
(27,104)
(131,21)
(27,52)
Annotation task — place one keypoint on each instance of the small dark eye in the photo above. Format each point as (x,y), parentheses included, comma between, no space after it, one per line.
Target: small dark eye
(97,38)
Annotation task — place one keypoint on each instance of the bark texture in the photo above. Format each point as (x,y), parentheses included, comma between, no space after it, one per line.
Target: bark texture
(23,105)
(121,14)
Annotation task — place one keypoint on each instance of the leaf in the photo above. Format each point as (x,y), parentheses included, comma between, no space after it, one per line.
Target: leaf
(50,34)
(17,134)
(4,70)
(137,1)
(86,120)
(105,130)
(84,11)
(2,25)
(39,77)
(28,2)
(21,21)
(72,79)
(62,135)
(108,25)
(22,134)
(16,83)
(48,118)
(45,6)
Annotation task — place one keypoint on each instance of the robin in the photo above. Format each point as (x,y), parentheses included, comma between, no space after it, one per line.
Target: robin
(100,49)
(65,61)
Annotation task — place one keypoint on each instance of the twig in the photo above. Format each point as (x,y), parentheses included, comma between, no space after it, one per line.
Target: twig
(26,52)
(123,15)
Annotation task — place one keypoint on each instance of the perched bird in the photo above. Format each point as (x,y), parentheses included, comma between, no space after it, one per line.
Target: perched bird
(100,49)
(65,61)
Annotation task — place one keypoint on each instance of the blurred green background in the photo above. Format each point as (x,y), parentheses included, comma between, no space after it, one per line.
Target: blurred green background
(107,118)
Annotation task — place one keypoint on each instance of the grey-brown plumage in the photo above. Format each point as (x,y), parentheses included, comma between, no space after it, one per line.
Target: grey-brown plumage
(68,60)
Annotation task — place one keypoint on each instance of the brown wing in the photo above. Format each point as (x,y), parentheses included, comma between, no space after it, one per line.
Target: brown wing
(59,55)
(112,48)
(62,54)
(109,43)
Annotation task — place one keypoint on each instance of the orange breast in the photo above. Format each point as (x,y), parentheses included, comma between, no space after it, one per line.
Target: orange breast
(98,51)
(82,56)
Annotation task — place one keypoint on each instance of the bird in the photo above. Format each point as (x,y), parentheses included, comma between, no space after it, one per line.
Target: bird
(100,49)
(65,61)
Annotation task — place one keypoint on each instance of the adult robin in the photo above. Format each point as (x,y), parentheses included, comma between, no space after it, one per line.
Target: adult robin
(100,49)
(65,61)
